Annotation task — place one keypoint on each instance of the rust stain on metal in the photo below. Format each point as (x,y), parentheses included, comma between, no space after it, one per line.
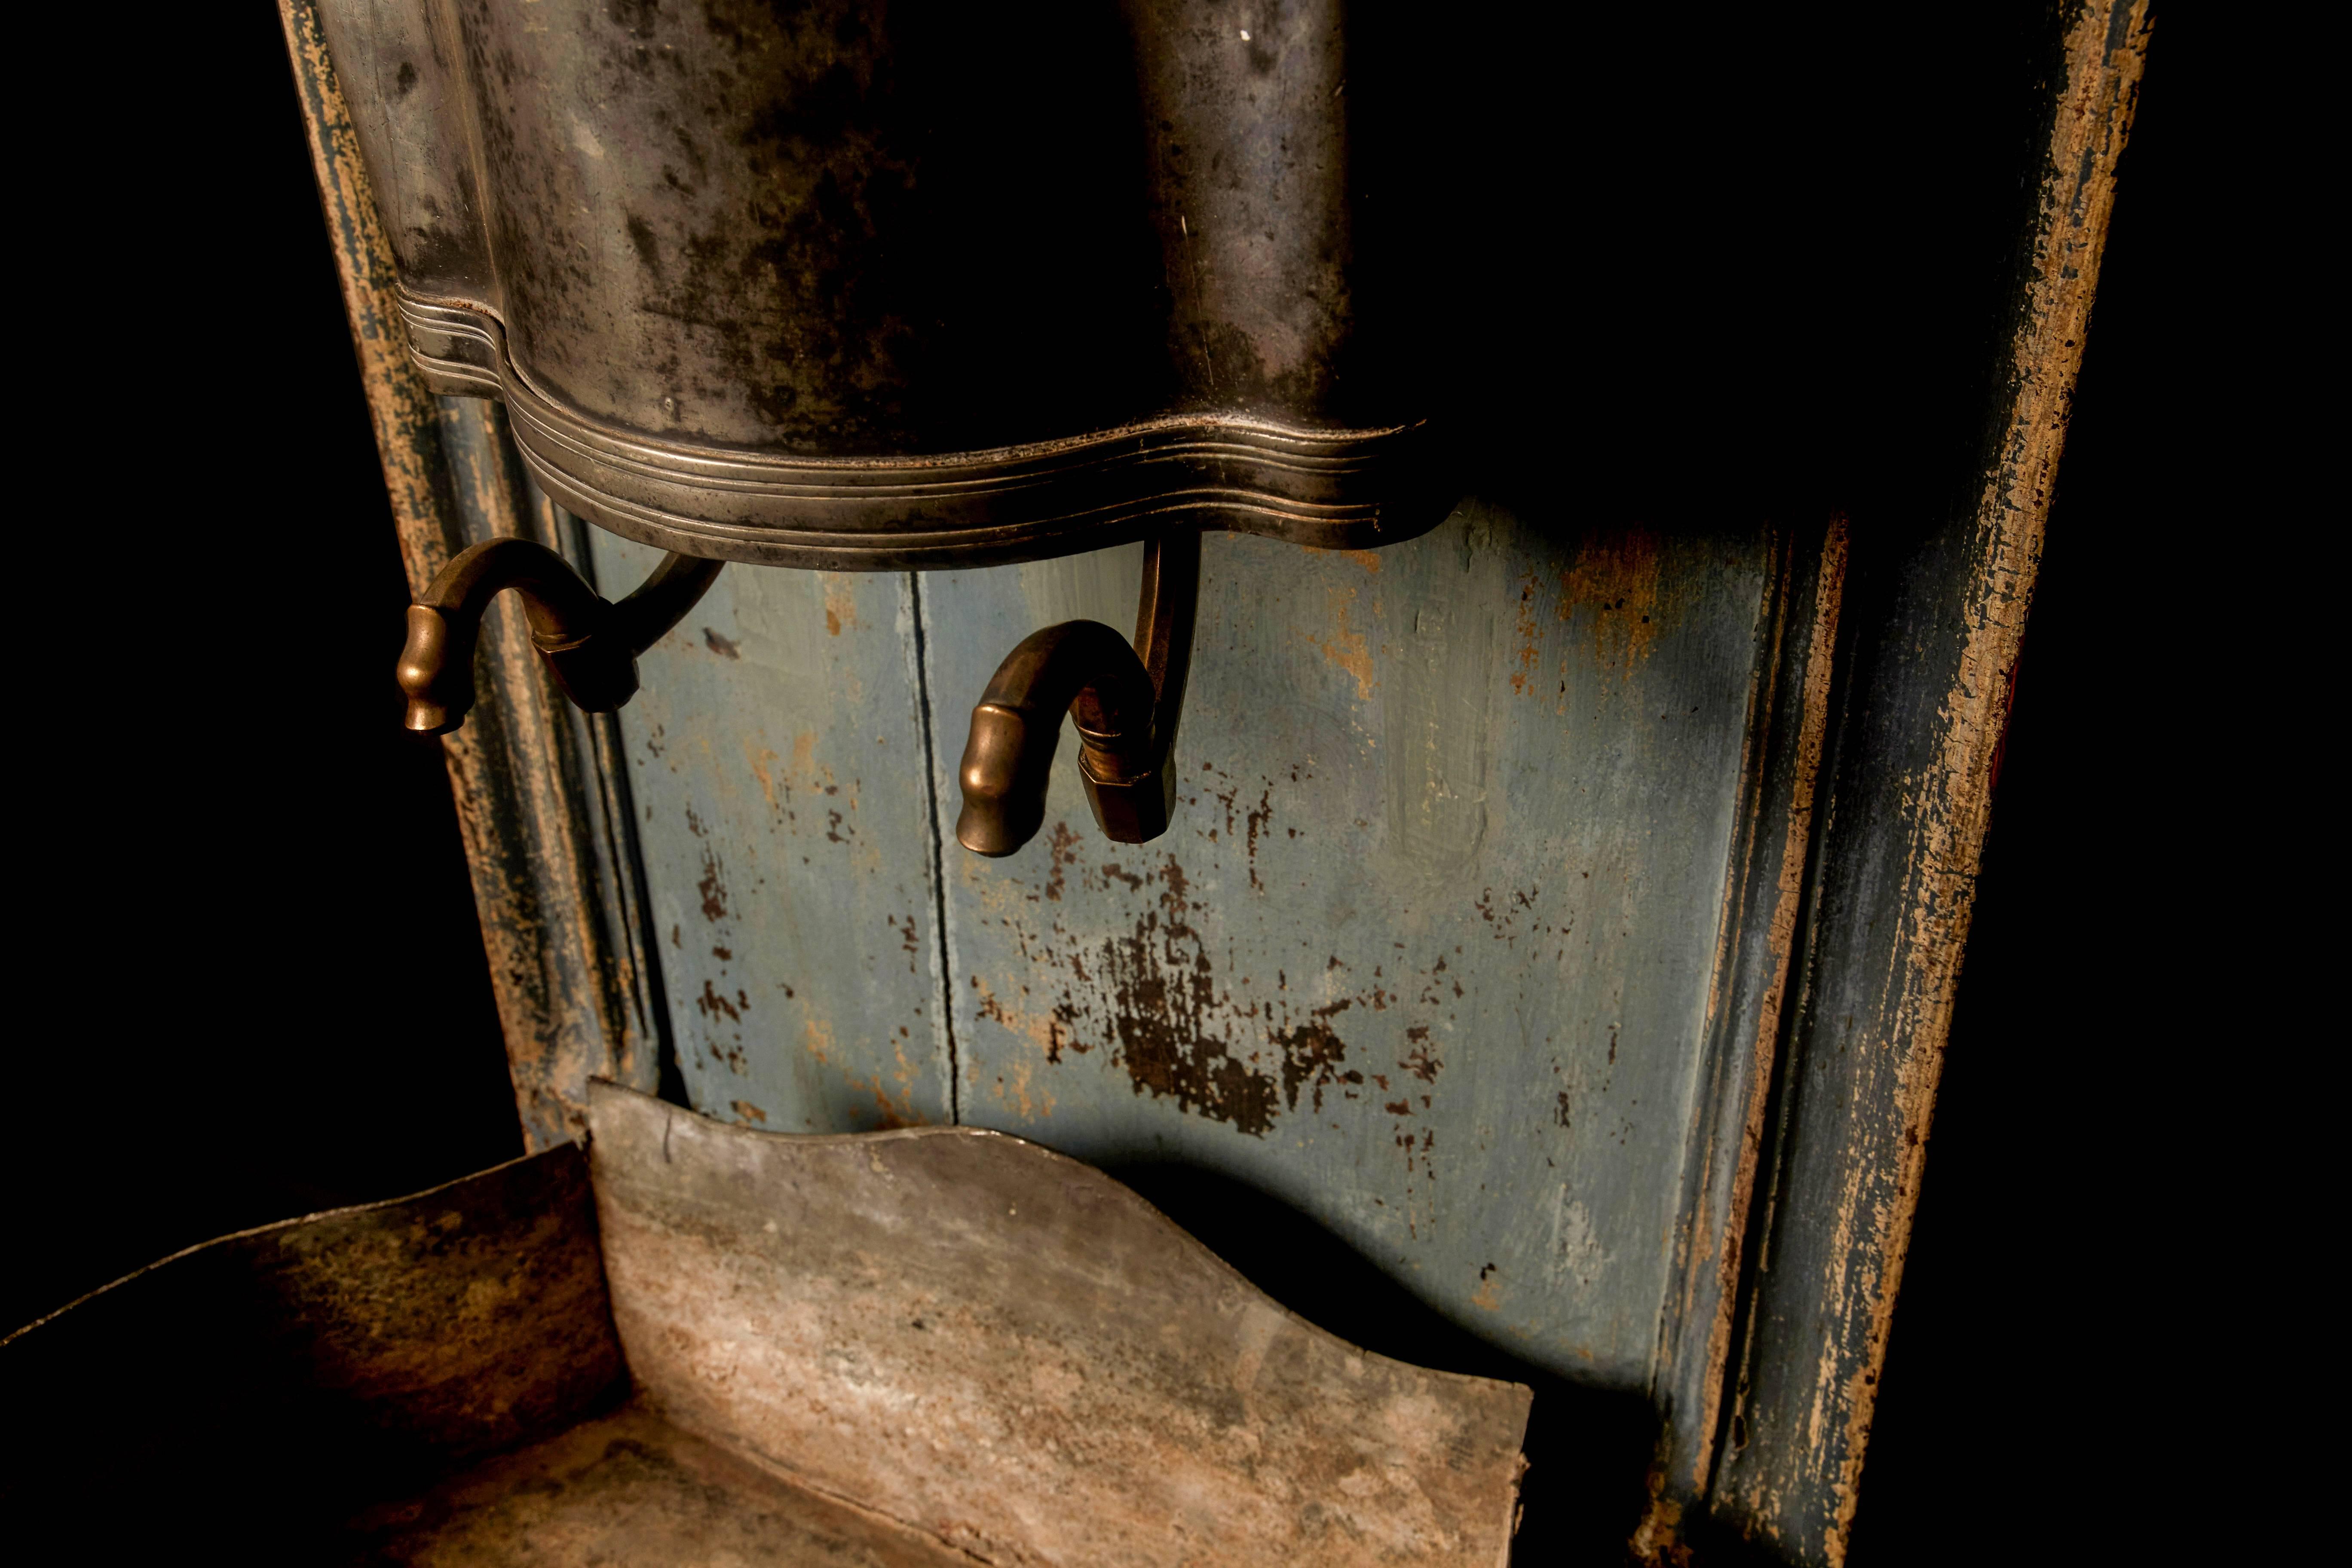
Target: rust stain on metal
(890,1111)
(1063,857)
(711,1004)
(1419,1061)
(1257,820)
(762,764)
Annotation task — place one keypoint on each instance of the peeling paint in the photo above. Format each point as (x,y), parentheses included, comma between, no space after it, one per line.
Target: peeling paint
(1876,1026)
(1613,585)
(1381,938)
(840,603)
(1343,646)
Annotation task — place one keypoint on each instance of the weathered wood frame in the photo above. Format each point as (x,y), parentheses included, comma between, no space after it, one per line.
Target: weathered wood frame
(1843,941)
(541,800)
(1925,697)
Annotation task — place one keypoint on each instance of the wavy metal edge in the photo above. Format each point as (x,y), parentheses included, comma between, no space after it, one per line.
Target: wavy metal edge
(1339,489)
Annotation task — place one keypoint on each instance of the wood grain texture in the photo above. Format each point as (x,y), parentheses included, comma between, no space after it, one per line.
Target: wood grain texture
(776,754)
(545,830)
(1905,822)
(1009,1349)
(1746,1012)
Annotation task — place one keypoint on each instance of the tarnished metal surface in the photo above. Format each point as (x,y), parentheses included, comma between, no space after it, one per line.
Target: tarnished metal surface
(895,1350)
(264,1384)
(590,644)
(1905,816)
(1013,1352)
(545,821)
(867,286)
(631,1491)
(1126,700)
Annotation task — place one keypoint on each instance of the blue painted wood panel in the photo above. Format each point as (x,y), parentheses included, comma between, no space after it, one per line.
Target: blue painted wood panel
(1436,952)
(776,760)
(1428,954)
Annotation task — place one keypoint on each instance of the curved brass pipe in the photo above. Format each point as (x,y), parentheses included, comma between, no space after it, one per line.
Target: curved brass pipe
(590,644)
(1127,701)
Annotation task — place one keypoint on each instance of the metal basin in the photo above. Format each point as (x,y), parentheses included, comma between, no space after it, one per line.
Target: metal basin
(696,1344)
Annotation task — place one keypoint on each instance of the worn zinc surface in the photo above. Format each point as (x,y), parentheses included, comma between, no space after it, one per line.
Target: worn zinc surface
(1015,1353)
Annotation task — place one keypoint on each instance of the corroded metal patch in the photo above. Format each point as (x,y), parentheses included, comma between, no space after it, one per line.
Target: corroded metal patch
(860,286)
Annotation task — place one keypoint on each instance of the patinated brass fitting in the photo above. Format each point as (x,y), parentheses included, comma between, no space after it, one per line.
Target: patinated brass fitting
(590,644)
(1126,702)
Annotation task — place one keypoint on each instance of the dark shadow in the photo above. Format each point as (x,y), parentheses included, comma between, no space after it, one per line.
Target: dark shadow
(1750,262)
(1588,1449)
(2090,1304)
(245,890)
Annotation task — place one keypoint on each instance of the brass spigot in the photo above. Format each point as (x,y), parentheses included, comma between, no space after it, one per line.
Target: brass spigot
(1127,701)
(590,644)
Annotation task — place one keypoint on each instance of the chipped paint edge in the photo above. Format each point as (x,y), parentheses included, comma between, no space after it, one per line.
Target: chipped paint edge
(1806,1502)
(551,867)
(1746,1005)
(1953,809)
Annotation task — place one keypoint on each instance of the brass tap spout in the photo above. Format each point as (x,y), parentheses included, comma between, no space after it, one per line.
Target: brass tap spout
(590,644)
(1082,668)
(1126,702)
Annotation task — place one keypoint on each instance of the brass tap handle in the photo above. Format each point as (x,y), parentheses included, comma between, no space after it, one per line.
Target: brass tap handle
(1126,702)
(590,644)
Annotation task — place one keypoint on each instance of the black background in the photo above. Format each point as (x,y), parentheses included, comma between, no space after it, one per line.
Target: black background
(251,984)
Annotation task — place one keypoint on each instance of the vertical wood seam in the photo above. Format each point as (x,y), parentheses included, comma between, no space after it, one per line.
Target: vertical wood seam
(925,718)
(642,982)
(1764,900)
